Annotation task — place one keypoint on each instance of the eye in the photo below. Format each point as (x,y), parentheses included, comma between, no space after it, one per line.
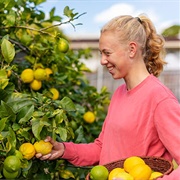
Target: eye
(107,53)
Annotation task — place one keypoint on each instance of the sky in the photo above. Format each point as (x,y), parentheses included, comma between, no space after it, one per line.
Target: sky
(163,13)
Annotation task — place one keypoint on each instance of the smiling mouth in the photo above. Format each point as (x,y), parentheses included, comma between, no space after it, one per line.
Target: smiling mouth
(110,69)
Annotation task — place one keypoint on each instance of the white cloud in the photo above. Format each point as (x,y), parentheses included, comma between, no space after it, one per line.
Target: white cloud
(124,8)
(114,10)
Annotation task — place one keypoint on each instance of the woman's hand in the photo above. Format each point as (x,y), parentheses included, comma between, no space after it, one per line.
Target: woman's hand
(57,150)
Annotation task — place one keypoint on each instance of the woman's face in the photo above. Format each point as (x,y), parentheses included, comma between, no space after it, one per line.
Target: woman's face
(114,55)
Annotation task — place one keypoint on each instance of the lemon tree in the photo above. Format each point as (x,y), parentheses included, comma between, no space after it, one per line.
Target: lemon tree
(28,114)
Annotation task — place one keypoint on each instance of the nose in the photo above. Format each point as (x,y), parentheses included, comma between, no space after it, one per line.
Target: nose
(104,61)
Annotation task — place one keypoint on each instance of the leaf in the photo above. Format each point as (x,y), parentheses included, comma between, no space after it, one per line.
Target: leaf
(62,132)
(8,50)
(7,111)
(3,83)
(27,113)
(51,13)
(37,128)
(67,104)
(11,140)
(3,123)
(10,19)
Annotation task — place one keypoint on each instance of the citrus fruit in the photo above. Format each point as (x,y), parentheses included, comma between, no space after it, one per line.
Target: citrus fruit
(10,175)
(27,75)
(43,147)
(55,93)
(155,175)
(36,85)
(124,176)
(40,74)
(140,171)
(89,117)
(48,72)
(9,72)
(114,173)
(130,162)
(63,45)
(99,172)
(12,163)
(27,150)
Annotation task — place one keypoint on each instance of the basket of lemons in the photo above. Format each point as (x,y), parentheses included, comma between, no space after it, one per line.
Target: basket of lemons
(132,168)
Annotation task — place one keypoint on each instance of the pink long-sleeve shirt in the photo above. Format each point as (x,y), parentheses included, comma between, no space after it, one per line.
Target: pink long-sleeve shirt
(144,121)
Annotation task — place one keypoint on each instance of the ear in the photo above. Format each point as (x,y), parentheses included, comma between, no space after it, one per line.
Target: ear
(132,49)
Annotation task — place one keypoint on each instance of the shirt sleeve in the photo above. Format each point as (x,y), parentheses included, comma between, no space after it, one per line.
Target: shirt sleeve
(167,122)
(84,154)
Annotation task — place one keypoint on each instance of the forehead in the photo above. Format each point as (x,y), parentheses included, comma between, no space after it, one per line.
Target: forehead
(108,39)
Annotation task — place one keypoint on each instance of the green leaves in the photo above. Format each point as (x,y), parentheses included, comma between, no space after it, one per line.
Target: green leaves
(8,50)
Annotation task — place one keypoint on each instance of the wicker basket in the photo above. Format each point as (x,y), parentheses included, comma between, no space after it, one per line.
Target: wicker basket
(157,164)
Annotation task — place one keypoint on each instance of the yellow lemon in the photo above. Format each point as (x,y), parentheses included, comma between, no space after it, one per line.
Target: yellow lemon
(141,171)
(43,147)
(27,75)
(27,150)
(155,175)
(9,72)
(124,176)
(40,74)
(12,163)
(55,93)
(48,73)
(99,172)
(114,173)
(36,85)
(63,45)
(130,162)
(89,117)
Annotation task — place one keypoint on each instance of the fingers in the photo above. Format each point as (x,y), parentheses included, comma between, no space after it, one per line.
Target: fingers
(38,155)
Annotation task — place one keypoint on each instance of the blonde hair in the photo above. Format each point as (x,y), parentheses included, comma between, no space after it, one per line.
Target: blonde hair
(141,30)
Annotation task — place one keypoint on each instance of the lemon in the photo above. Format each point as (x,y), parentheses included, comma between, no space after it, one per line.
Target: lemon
(130,162)
(55,93)
(99,172)
(63,45)
(9,72)
(10,175)
(48,73)
(43,147)
(40,74)
(140,171)
(155,175)
(27,75)
(124,176)
(36,85)
(12,163)
(27,150)
(114,173)
(89,117)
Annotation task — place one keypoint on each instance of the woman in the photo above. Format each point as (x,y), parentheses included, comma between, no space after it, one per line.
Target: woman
(144,116)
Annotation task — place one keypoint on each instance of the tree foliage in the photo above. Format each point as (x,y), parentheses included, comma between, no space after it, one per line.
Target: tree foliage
(28,40)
